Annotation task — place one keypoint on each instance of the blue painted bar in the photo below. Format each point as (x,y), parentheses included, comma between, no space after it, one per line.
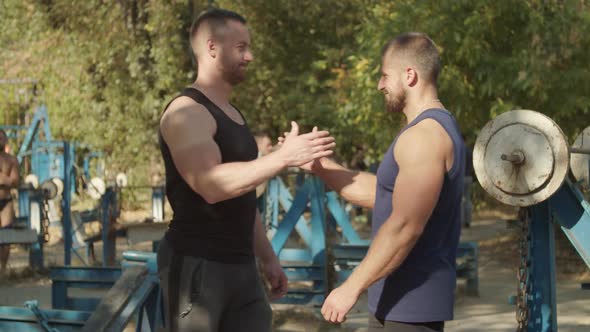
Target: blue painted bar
(293,254)
(342,219)
(285,199)
(543,311)
(68,177)
(23,319)
(82,303)
(64,278)
(106,274)
(303,273)
(286,226)
(573,213)
(350,252)
(147,259)
(318,227)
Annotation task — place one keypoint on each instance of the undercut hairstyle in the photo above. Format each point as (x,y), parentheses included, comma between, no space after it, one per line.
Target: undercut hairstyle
(217,20)
(417,48)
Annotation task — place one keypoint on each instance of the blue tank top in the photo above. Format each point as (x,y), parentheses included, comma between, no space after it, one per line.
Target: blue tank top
(422,288)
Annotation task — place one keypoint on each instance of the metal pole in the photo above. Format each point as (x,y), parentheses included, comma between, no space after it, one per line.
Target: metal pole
(579,150)
(66,203)
(543,309)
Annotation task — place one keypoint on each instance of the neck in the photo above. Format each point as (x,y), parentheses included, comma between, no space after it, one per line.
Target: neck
(419,102)
(214,87)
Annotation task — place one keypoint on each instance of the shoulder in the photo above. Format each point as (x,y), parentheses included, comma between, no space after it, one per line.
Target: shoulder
(427,140)
(185,113)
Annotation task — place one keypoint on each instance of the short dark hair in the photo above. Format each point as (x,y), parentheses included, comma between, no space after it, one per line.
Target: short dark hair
(419,48)
(217,18)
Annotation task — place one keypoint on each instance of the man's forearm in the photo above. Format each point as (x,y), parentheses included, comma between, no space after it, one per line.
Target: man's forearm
(229,180)
(262,247)
(392,244)
(354,186)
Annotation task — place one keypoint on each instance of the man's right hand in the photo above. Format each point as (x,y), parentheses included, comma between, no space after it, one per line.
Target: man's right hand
(301,150)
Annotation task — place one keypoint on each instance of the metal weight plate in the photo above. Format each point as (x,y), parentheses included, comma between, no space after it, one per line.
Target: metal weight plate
(521,157)
(96,188)
(33,180)
(59,184)
(121,180)
(49,189)
(578,161)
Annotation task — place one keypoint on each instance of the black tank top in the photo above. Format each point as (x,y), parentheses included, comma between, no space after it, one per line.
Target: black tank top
(222,231)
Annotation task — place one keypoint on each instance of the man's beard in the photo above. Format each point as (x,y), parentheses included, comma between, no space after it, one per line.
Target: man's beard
(234,74)
(395,104)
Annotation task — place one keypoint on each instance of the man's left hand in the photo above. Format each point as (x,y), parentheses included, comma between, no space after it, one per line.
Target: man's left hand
(339,303)
(276,277)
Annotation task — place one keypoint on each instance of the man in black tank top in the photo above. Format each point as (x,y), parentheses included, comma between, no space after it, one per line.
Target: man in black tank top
(206,261)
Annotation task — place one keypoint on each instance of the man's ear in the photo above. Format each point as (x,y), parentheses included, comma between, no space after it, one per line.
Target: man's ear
(212,48)
(411,76)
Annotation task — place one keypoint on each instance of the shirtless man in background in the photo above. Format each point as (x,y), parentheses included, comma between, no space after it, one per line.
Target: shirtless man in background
(8,180)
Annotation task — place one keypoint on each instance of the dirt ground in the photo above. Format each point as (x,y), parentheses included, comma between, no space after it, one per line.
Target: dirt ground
(490,311)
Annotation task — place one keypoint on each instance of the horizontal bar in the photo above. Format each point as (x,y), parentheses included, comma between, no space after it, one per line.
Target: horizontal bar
(302,299)
(85,274)
(83,303)
(289,254)
(102,284)
(70,316)
(579,150)
(138,256)
(303,273)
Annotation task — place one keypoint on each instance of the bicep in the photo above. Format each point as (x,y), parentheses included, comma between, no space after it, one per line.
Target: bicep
(418,183)
(188,133)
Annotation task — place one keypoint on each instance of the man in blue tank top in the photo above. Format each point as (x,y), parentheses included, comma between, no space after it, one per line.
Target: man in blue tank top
(409,270)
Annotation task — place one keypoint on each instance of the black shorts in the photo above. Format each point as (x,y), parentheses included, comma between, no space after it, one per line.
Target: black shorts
(208,296)
(4,202)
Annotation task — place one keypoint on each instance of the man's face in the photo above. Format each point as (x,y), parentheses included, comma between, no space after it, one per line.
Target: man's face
(234,52)
(391,85)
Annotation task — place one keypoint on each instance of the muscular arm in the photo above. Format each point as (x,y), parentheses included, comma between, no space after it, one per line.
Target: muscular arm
(262,247)
(10,181)
(188,129)
(354,186)
(421,174)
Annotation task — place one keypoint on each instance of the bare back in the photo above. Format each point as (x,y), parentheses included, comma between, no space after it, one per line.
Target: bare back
(8,174)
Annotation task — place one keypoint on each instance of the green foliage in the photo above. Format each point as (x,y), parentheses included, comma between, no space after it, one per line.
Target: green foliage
(107,68)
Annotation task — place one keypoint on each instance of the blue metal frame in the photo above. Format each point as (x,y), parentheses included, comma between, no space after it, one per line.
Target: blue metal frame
(86,164)
(68,178)
(65,278)
(279,196)
(543,313)
(33,133)
(145,302)
(307,264)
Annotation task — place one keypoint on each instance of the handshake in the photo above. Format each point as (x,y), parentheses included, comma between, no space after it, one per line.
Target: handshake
(301,150)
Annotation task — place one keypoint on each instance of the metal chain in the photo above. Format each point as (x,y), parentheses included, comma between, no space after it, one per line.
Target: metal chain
(45,220)
(522,308)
